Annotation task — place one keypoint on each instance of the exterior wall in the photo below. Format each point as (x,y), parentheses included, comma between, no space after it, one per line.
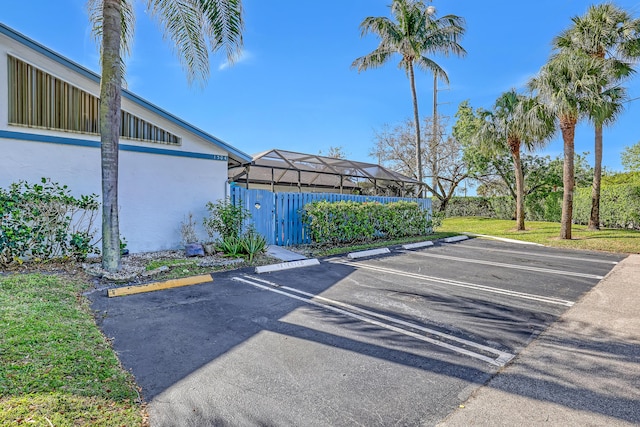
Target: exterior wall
(156,192)
(158,184)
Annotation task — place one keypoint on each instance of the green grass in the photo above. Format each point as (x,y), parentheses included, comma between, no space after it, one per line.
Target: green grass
(547,233)
(56,368)
(169,263)
(329,250)
(179,268)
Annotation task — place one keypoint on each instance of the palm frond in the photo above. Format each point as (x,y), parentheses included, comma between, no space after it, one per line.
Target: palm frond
(515,118)
(567,81)
(375,59)
(605,31)
(182,22)
(194,26)
(225,26)
(427,64)
(413,34)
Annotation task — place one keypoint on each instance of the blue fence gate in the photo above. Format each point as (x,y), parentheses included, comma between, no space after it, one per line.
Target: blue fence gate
(261,205)
(277,216)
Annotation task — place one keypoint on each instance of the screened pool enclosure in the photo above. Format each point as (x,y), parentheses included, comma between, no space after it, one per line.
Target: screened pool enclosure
(288,171)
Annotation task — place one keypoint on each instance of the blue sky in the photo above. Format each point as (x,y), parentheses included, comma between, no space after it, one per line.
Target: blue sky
(293,87)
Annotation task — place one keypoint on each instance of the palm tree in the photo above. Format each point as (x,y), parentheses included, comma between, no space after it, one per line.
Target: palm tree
(568,84)
(516,120)
(194,26)
(413,34)
(609,33)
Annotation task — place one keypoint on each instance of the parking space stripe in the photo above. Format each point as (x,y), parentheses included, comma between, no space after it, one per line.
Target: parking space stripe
(501,359)
(385,317)
(503,265)
(483,288)
(533,254)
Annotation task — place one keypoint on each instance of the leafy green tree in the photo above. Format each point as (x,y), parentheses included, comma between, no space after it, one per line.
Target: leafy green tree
(193,26)
(542,175)
(617,178)
(567,84)
(413,33)
(610,34)
(631,158)
(480,164)
(495,171)
(515,120)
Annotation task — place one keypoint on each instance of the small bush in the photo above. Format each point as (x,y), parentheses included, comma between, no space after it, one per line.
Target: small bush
(225,219)
(225,226)
(253,243)
(43,221)
(231,246)
(188,230)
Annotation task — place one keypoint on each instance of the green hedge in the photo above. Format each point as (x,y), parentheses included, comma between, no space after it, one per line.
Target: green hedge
(348,221)
(619,206)
(492,207)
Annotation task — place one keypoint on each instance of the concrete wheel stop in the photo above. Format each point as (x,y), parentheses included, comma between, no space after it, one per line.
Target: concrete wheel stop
(455,239)
(370,252)
(418,245)
(287,265)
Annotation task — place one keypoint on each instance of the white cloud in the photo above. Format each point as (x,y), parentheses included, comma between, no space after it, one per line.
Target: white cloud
(244,56)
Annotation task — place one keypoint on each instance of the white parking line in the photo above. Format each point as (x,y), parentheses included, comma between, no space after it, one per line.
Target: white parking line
(483,288)
(484,249)
(501,359)
(503,265)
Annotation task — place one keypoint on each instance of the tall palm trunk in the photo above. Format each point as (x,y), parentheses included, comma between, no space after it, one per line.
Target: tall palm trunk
(433,146)
(416,118)
(568,128)
(594,219)
(514,146)
(110,87)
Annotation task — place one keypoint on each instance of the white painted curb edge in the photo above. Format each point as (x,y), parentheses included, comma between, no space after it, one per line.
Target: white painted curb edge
(502,239)
(370,252)
(417,245)
(455,239)
(286,265)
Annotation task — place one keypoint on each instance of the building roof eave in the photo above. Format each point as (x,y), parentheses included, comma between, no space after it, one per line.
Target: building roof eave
(237,155)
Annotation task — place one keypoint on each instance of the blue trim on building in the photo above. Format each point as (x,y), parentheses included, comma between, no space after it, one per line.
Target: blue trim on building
(51,139)
(11,33)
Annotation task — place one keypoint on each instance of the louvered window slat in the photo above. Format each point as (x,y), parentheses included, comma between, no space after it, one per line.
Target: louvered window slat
(38,99)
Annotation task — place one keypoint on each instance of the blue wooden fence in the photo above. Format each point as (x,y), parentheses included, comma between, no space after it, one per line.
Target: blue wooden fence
(277,215)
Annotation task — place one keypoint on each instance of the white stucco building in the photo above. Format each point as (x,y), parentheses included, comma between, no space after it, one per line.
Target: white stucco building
(49,128)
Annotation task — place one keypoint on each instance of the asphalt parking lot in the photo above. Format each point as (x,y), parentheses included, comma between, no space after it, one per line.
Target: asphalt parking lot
(401,338)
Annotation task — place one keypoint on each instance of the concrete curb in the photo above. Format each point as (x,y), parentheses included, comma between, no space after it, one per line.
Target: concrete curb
(286,265)
(158,286)
(417,245)
(455,239)
(370,252)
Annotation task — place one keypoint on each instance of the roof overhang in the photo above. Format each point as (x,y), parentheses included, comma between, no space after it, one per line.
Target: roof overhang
(236,157)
